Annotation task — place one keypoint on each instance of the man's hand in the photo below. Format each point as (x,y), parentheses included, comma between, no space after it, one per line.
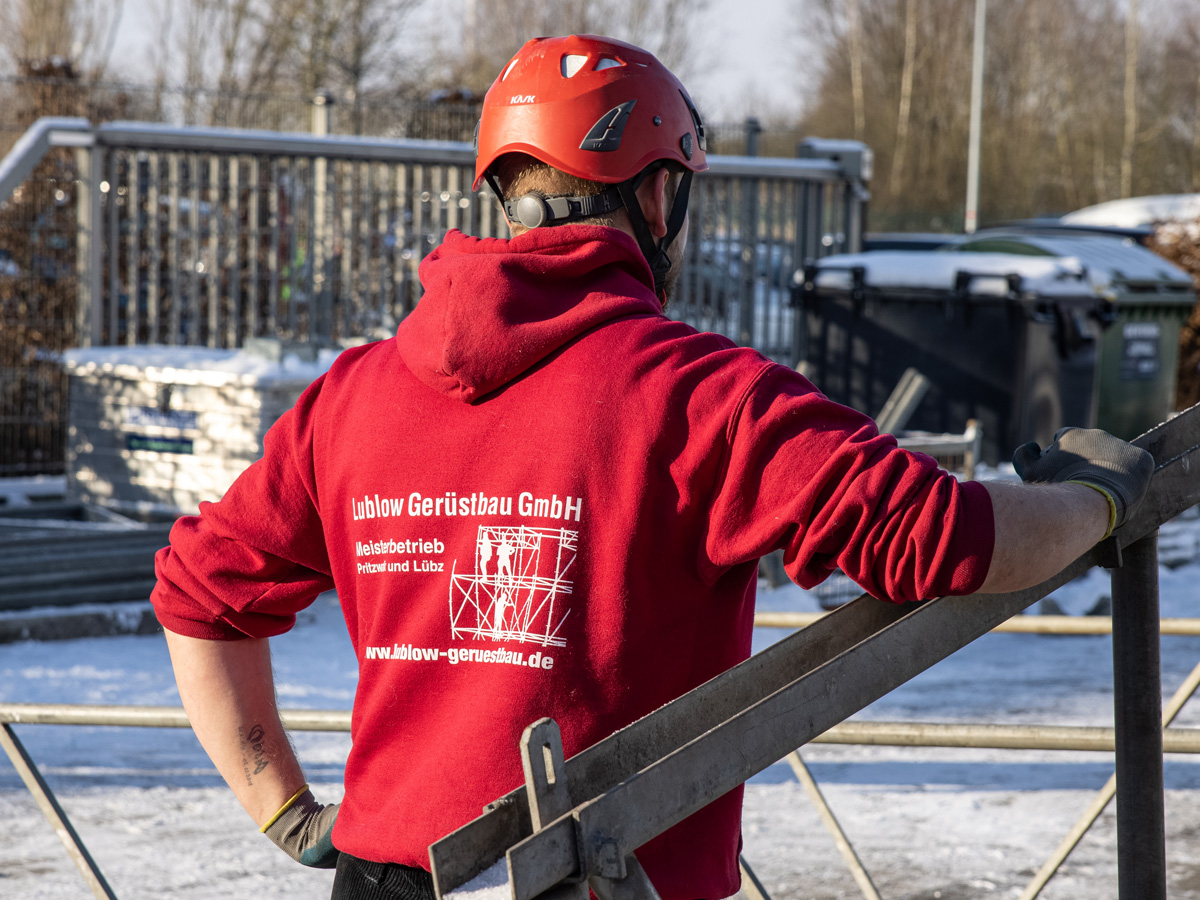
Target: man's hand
(303,830)
(1117,469)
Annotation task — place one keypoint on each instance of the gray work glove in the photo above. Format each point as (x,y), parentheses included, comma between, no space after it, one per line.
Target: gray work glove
(1115,468)
(303,830)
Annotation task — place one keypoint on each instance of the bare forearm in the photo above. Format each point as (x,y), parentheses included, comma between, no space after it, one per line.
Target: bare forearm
(1040,530)
(229,694)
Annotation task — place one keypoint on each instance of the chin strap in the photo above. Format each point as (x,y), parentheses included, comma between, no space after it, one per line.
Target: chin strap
(656,253)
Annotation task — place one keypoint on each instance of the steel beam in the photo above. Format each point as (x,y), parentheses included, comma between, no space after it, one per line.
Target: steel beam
(666,792)
(751,886)
(879,734)
(1137,698)
(467,852)
(154,716)
(995,737)
(34,144)
(54,813)
(1064,625)
(903,401)
(250,141)
(840,673)
(1104,797)
(859,872)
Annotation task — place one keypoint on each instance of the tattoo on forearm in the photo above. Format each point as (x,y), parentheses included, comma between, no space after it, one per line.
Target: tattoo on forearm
(254,752)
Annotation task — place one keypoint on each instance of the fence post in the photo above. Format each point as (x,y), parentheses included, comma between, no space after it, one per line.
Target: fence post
(1137,697)
(752,129)
(748,243)
(321,327)
(89,322)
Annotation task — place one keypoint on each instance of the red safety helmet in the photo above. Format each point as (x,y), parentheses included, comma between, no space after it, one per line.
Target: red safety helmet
(601,110)
(591,106)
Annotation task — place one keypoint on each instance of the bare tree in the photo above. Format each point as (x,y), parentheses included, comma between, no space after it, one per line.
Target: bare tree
(81,32)
(365,50)
(670,29)
(234,53)
(1196,138)
(32,30)
(1063,125)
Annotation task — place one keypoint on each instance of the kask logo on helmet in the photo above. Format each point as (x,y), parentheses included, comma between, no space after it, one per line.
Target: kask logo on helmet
(522,98)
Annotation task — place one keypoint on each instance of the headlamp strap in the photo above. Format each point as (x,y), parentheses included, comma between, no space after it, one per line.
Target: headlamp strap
(535,209)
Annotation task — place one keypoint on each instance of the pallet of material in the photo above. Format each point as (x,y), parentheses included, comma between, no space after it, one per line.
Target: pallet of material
(165,428)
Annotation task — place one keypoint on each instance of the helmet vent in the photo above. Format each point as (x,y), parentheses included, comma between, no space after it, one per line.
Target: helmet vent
(509,69)
(608,63)
(605,135)
(571,64)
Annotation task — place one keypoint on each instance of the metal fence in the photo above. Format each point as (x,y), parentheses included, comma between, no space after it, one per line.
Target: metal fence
(640,781)
(128,234)
(444,115)
(26,98)
(577,822)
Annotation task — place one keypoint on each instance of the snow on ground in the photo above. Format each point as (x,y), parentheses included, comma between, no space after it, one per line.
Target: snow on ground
(196,365)
(927,823)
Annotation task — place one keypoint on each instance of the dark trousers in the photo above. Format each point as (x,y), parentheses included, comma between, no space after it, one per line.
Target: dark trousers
(360,879)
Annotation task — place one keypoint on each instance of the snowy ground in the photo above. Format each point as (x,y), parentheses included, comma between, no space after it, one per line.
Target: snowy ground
(927,823)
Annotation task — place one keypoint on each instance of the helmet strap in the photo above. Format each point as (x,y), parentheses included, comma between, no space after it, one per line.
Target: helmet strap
(656,252)
(566,209)
(536,209)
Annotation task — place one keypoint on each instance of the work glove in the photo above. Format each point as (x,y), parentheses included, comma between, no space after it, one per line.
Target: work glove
(1117,469)
(303,829)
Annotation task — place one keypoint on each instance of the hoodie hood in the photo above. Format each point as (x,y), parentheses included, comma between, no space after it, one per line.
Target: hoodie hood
(493,308)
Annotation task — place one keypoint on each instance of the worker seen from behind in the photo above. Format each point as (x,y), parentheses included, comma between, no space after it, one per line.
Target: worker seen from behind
(627,471)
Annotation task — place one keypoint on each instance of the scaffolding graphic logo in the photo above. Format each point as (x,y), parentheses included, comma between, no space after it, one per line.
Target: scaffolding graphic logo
(519,589)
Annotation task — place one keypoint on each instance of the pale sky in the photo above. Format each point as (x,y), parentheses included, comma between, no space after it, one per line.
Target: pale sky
(754,60)
(749,61)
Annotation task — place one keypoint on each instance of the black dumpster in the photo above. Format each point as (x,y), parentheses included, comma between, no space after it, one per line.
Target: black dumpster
(1152,298)
(1010,341)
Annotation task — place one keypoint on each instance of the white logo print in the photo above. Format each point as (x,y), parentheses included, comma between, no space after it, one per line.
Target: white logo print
(522,596)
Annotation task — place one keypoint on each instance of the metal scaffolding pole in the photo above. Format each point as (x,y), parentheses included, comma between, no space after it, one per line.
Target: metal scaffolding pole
(54,813)
(1097,806)
(1137,697)
(1027,624)
(644,779)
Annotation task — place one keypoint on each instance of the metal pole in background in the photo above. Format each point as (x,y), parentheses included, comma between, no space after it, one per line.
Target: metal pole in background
(972,213)
(321,328)
(748,243)
(89,326)
(57,817)
(752,129)
(1137,698)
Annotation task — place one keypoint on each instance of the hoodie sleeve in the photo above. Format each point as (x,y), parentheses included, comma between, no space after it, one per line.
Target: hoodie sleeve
(817,480)
(246,565)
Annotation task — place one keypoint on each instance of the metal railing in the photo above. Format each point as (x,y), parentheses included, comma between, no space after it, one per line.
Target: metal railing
(580,826)
(25,98)
(139,234)
(874,733)
(446,116)
(651,775)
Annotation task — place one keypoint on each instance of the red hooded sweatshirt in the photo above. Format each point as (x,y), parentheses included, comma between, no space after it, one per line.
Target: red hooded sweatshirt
(544,498)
